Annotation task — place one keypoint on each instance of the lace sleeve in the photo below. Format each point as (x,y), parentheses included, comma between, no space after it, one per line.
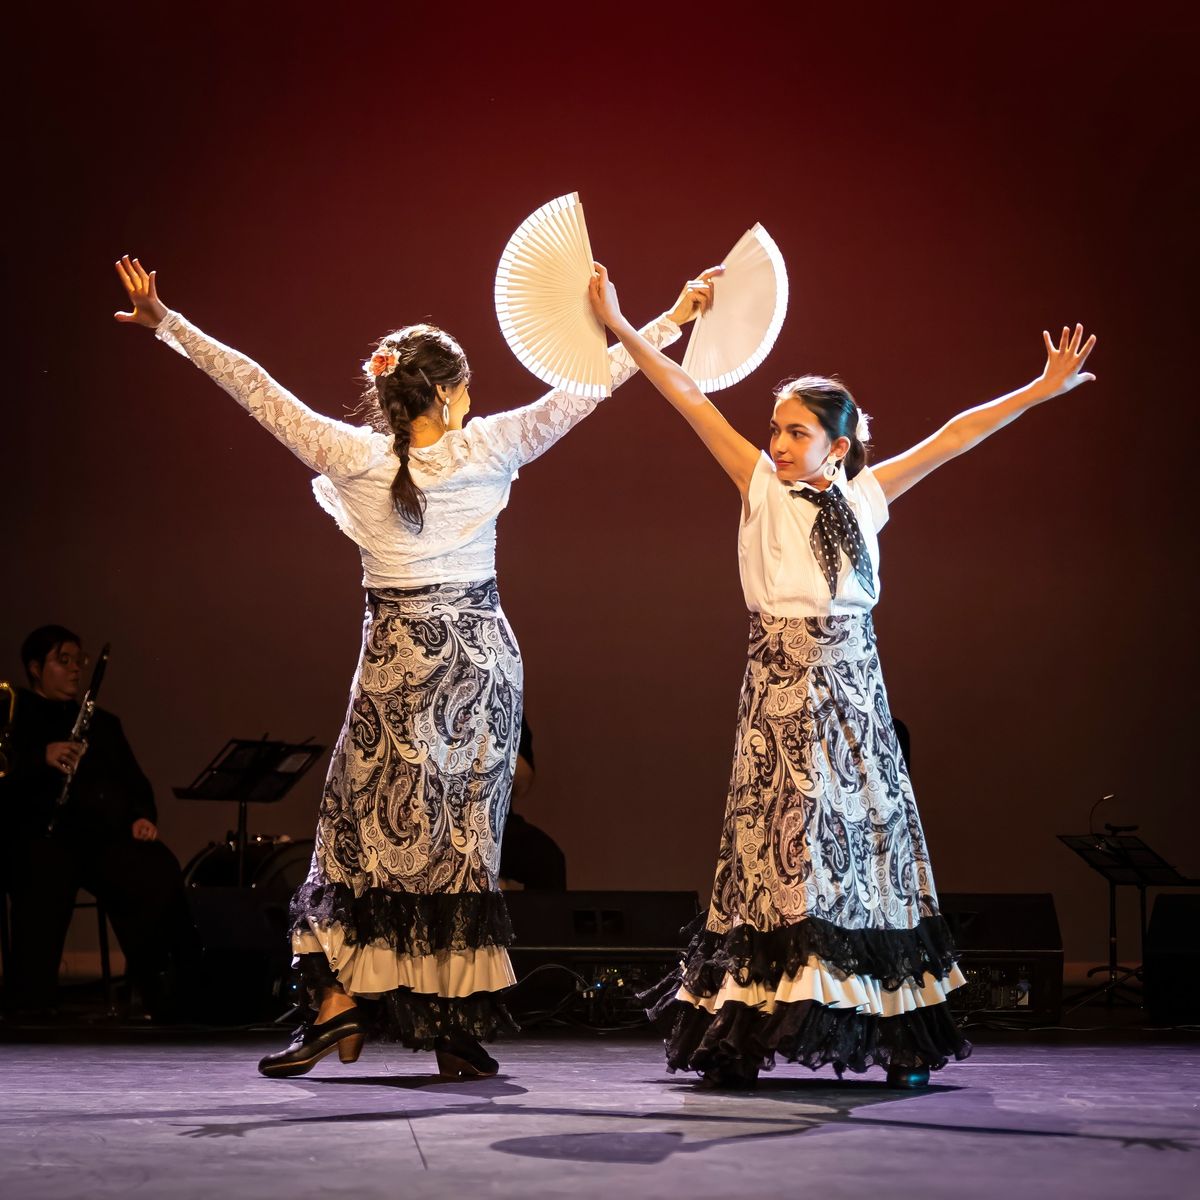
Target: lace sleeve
(520,435)
(331,447)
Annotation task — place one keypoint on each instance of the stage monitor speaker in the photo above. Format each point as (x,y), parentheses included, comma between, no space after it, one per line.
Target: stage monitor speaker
(645,921)
(610,946)
(244,960)
(1012,955)
(1171,960)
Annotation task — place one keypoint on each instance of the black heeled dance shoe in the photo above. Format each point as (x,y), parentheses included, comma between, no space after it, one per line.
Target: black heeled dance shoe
(908,1078)
(463,1057)
(738,1076)
(311,1042)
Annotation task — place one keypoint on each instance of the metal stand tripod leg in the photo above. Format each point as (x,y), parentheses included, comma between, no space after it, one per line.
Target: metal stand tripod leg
(242,837)
(1115,987)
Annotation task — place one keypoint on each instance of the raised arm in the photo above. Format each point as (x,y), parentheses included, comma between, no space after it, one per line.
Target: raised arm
(522,434)
(737,456)
(330,447)
(1063,372)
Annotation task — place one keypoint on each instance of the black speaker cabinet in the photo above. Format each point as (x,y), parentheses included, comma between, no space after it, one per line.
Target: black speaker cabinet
(1171,960)
(1012,955)
(244,958)
(611,921)
(588,954)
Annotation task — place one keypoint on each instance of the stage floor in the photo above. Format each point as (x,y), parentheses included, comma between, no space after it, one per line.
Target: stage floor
(585,1117)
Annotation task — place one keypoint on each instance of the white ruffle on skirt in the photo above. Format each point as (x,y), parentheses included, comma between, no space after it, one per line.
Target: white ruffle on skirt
(824,984)
(371,970)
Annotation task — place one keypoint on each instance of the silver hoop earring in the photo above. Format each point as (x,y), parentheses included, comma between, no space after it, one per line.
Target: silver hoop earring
(830,469)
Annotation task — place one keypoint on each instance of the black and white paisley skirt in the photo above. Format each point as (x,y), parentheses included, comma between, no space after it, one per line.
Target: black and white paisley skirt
(823,942)
(401,904)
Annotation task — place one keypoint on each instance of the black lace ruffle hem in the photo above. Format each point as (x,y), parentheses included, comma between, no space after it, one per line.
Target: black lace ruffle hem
(746,1039)
(891,956)
(414,1019)
(407,922)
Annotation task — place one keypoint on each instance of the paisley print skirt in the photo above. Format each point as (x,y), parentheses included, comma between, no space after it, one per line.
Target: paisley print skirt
(401,905)
(823,941)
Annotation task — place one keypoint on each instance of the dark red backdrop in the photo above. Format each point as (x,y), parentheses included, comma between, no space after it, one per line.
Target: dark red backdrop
(942,189)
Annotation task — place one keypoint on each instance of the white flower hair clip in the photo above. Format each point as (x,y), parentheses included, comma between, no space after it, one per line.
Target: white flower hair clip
(863,429)
(382,363)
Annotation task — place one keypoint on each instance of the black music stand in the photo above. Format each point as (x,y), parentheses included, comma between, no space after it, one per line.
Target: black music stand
(1123,861)
(251,772)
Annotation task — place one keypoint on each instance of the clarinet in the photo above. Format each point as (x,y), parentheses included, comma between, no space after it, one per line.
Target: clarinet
(79,732)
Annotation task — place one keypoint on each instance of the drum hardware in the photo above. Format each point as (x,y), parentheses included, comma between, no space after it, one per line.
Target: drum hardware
(273,865)
(242,931)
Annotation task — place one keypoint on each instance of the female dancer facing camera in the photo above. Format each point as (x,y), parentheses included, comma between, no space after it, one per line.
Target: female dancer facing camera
(823,941)
(401,903)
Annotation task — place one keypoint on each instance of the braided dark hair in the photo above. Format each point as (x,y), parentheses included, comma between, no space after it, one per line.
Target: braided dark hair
(829,400)
(427,357)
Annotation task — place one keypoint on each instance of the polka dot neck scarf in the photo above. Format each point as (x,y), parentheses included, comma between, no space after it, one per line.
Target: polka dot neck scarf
(836,529)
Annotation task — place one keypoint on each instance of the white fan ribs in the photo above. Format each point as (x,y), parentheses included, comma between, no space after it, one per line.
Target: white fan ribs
(737,333)
(542,301)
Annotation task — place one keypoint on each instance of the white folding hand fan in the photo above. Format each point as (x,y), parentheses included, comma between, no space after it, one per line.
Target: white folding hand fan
(749,303)
(542,300)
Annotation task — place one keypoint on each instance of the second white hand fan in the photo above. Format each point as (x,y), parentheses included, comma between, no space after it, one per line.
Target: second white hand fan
(749,304)
(542,300)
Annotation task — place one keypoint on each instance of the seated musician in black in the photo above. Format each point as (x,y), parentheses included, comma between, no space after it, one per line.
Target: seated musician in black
(528,855)
(105,837)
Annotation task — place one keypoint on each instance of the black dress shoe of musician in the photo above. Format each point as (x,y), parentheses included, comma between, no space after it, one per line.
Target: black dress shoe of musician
(907,1078)
(311,1042)
(458,1054)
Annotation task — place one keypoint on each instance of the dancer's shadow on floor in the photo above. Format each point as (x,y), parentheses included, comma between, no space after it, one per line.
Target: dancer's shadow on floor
(821,1101)
(785,1087)
(446,1085)
(819,1104)
(815,1104)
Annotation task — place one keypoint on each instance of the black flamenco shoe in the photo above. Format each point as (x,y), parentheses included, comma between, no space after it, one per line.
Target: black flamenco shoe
(461,1056)
(730,1076)
(908,1078)
(311,1042)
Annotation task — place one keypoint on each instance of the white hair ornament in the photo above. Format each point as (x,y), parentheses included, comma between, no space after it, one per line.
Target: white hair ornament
(382,363)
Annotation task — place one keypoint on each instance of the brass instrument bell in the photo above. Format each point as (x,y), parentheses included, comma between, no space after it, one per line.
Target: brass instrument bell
(6,727)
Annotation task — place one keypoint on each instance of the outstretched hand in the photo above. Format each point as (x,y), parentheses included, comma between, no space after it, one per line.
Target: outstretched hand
(696,298)
(148,309)
(1064,362)
(603,297)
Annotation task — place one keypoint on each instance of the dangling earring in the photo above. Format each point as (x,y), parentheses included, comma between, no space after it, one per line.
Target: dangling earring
(830,469)
(446,413)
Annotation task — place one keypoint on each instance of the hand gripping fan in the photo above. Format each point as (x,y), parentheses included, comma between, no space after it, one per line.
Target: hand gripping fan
(542,300)
(749,304)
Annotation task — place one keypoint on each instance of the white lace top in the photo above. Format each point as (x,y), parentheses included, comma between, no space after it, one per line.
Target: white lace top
(466,475)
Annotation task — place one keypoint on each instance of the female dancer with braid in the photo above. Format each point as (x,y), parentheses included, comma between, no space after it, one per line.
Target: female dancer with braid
(400,913)
(823,942)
